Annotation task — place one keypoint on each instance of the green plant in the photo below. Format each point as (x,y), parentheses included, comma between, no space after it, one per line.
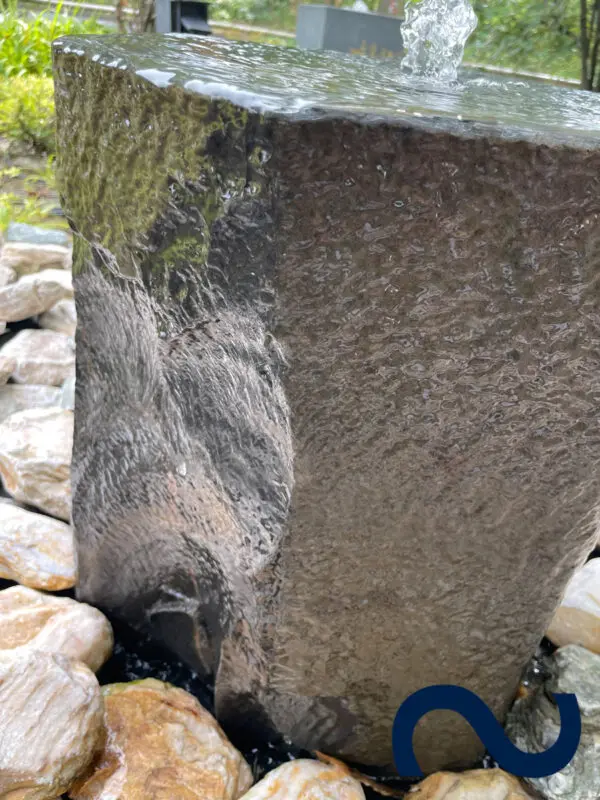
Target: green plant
(30,210)
(25,39)
(29,196)
(534,35)
(27,111)
(589,16)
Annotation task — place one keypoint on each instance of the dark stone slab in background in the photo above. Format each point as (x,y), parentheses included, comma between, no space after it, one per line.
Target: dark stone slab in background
(338,374)
(322,27)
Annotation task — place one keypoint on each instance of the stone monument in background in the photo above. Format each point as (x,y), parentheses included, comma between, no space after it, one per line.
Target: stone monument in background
(324,27)
(336,428)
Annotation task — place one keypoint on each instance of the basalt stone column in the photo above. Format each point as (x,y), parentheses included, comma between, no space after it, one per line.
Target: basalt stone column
(337,431)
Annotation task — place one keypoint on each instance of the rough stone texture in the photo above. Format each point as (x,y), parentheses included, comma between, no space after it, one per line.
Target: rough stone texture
(577,619)
(7,367)
(16,397)
(35,458)
(43,357)
(306,780)
(34,294)
(51,724)
(62,318)
(7,275)
(534,723)
(31,620)
(337,375)
(35,550)
(162,744)
(26,257)
(479,784)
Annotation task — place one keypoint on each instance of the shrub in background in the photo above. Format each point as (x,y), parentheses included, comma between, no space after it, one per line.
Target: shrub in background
(27,111)
(25,38)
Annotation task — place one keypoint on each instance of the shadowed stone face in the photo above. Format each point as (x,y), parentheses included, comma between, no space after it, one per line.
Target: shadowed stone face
(338,375)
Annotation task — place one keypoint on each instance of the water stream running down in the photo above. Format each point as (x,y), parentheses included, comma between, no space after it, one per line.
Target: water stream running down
(435,33)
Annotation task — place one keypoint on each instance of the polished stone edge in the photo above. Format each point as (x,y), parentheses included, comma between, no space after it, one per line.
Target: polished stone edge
(304,111)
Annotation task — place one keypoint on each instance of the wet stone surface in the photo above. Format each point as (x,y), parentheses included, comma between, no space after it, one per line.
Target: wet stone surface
(345,332)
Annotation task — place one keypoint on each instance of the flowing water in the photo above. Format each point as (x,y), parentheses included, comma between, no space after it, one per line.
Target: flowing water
(435,33)
(257,77)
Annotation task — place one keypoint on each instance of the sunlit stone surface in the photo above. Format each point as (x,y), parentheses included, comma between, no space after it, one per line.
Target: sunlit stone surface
(161,743)
(32,620)
(337,352)
(305,779)
(51,723)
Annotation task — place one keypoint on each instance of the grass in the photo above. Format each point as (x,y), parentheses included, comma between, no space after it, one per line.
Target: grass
(25,39)
(27,192)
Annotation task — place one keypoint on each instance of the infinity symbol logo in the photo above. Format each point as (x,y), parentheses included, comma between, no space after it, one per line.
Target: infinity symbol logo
(489,730)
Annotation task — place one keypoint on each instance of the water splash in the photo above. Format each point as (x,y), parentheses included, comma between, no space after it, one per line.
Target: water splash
(435,33)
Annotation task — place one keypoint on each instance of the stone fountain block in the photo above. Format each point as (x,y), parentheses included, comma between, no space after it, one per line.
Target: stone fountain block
(338,374)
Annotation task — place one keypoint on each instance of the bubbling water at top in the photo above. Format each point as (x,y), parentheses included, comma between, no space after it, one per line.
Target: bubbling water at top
(435,33)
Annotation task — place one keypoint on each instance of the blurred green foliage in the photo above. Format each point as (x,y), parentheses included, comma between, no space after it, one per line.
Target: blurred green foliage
(535,35)
(25,39)
(27,111)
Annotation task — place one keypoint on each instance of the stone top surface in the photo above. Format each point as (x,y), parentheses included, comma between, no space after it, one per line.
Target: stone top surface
(313,85)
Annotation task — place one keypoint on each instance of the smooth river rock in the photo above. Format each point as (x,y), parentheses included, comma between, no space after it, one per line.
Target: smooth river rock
(7,367)
(34,294)
(35,458)
(534,723)
(577,619)
(36,550)
(27,257)
(162,744)
(337,374)
(31,620)
(7,275)
(61,317)
(19,397)
(478,784)
(51,724)
(42,357)
(307,780)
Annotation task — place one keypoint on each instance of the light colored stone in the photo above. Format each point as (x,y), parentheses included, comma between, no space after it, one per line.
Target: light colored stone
(51,724)
(577,619)
(31,620)
(43,357)
(62,317)
(7,275)
(67,397)
(35,550)
(18,397)
(26,257)
(34,294)
(22,232)
(306,779)
(8,364)
(534,724)
(153,724)
(478,784)
(35,458)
